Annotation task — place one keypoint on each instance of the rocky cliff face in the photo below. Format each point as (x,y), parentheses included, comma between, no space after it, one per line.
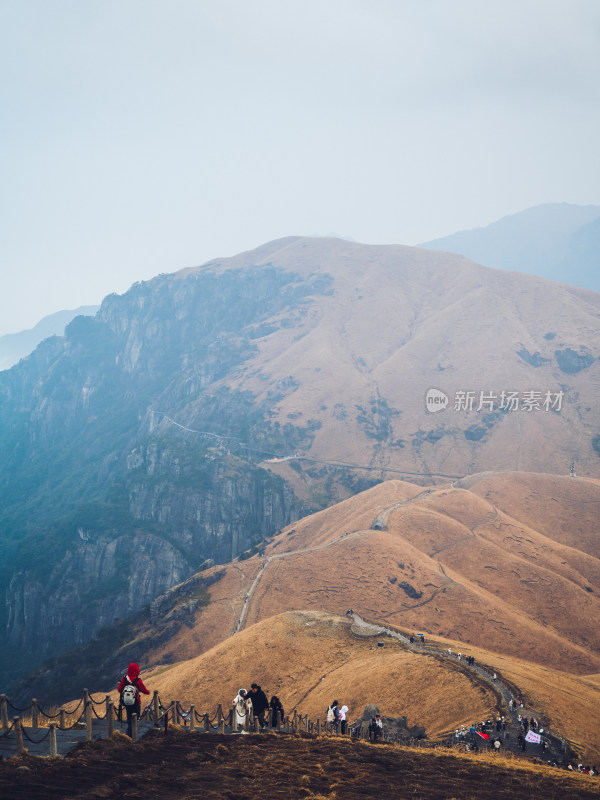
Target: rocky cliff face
(94,583)
(105,502)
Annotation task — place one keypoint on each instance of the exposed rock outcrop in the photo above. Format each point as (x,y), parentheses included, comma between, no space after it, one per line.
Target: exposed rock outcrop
(392,726)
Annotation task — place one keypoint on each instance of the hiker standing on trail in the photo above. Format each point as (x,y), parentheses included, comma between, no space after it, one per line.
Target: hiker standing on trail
(375,728)
(333,716)
(129,690)
(343,712)
(241,708)
(260,704)
(277,712)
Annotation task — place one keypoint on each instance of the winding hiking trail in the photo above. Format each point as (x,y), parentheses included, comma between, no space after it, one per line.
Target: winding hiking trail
(556,743)
(240,623)
(378,525)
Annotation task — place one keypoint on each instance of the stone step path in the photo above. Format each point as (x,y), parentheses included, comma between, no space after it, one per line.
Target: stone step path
(556,747)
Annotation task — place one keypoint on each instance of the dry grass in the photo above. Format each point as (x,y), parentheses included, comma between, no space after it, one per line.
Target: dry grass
(483,575)
(185,766)
(307,660)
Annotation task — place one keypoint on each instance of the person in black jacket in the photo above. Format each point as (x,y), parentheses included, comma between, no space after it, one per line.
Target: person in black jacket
(259,704)
(277,712)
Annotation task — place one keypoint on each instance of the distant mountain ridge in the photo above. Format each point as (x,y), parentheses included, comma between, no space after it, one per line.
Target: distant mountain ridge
(15,346)
(559,241)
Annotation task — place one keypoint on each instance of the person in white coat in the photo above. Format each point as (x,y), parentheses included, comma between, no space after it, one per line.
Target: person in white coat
(241,708)
(343,712)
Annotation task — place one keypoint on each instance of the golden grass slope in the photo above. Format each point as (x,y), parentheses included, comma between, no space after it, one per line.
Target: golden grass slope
(453,561)
(466,564)
(308,659)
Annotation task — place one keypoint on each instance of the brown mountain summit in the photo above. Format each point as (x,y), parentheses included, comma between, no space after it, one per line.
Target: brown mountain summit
(353,363)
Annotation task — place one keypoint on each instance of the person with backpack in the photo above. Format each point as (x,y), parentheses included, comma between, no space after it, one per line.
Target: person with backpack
(129,690)
(333,716)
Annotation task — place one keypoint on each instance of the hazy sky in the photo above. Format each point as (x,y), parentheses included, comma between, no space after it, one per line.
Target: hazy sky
(143,136)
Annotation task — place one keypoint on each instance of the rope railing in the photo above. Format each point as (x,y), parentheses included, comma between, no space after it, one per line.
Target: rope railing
(7,732)
(35,741)
(176,714)
(97,702)
(71,711)
(48,716)
(96,714)
(17,709)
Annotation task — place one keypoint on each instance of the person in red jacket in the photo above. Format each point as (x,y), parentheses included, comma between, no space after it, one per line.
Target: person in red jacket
(129,689)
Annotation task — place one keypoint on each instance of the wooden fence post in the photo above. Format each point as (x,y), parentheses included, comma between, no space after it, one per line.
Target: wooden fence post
(107,702)
(110,715)
(206,723)
(174,715)
(222,725)
(19,735)
(4,712)
(192,717)
(156,706)
(134,727)
(88,721)
(62,724)
(53,747)
(34,714)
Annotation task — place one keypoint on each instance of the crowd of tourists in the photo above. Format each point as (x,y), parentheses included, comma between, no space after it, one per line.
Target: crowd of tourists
(270,714)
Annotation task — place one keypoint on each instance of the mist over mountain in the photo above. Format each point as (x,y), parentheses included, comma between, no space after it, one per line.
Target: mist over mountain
(197,414)
(559,241)
(14,346)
